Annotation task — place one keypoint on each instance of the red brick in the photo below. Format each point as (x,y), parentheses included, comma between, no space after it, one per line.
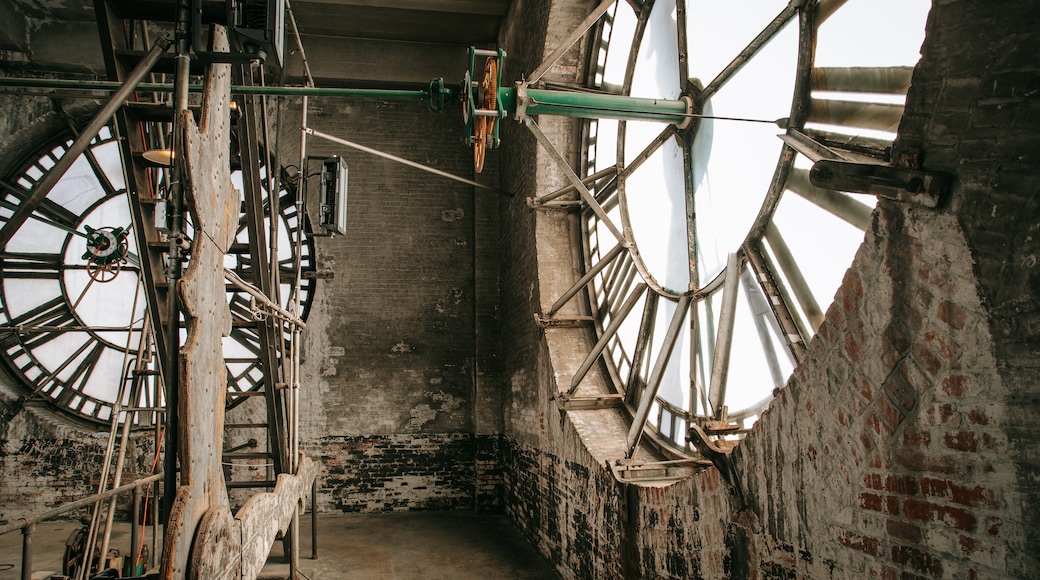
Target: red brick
(889,413)
(865,389)
(956,518)
(926,359)
(917,559)
(973,496)
(993,526)
(852,349)
(958,386)
(990,442)
(852,282)
(977,416)
(901,484)
(940,342)
(937,488)
(870,501)
(906,531)
(961,441)
(951,314)
(864,544)
(940,414)
(915,437)
(919,510)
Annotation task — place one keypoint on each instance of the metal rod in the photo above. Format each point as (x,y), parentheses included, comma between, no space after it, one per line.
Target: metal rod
(253,291)
(299,44)
(761,314)
(27,550)
(779,301)
(724,343)
(402,94)
(596,269)
(745,55)
(568,188)
(81,503)
(51,178)
(576,34)
(894,80)
(597,106)
(605,338)
(653,382)
(384,155)
(172,344)
(840,205)
(574,179)
(314,519)
(646,333)
(789,266)
(135,531)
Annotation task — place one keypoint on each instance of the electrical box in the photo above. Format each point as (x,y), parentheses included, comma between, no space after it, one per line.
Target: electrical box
(334,195)
(260,24)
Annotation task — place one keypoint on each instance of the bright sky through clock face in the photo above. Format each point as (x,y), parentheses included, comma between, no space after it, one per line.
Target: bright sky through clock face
(687,214)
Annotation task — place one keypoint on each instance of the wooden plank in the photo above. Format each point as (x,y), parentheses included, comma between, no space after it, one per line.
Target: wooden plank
(266,515)
(202,372)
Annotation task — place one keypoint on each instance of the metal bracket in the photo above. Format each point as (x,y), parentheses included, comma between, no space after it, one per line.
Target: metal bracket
(632,471)
(565,204)
(924,188)
(591,402)
(566,322)
(718,452)
(521,101)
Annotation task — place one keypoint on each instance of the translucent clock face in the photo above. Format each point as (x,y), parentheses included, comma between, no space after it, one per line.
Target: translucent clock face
(688,200)
(73,305)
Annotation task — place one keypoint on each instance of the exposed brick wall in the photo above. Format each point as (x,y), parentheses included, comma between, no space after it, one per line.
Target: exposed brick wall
(569,507)
(977,102)
(384,473)
(397,340)
(45,462)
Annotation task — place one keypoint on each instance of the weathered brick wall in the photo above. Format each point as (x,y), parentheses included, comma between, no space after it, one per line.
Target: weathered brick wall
(399,354)
(976,100)
(384,473)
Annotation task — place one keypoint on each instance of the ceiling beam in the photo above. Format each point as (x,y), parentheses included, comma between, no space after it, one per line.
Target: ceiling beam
(482,7)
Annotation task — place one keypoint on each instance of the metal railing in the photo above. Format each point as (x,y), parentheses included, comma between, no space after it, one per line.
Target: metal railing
(28,524)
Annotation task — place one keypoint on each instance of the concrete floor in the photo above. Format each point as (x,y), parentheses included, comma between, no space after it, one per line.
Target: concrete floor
(426,545)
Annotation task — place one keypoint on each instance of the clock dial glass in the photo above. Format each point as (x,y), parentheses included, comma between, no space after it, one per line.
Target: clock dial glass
(688,199)
(72,299)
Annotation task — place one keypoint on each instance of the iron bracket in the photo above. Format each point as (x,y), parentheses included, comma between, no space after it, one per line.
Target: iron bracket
(916,186)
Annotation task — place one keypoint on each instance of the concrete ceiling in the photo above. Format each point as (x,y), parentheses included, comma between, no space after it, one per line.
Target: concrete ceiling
(381,43)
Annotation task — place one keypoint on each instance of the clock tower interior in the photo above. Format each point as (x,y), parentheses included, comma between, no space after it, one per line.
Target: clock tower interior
(519,288)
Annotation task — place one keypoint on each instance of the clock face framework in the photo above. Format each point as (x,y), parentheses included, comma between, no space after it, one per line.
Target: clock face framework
(73,306)
(727,199)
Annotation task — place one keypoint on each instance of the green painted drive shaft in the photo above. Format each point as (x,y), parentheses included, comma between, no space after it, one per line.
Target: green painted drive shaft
(597,106)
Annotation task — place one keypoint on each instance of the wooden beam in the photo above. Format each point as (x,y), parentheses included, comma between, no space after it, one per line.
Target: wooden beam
(203,383)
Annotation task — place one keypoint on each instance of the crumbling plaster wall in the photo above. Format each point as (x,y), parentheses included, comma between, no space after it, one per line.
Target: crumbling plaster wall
(904,446)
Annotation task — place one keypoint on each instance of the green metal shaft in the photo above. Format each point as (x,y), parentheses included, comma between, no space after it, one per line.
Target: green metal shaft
(595,106)
(235,89)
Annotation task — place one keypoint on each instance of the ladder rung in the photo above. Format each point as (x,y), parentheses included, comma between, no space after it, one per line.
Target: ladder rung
(245,425)
(245,393)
